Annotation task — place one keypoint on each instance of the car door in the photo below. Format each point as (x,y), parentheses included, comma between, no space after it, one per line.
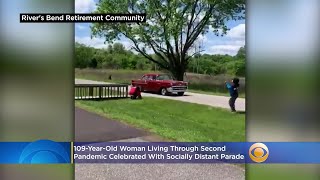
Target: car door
(158,83)
(151,83)
(144,82)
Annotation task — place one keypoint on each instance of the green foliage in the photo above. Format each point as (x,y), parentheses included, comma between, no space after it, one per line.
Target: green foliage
(84,55)
(218,64)
(171,29)
(236,67)
(117,57)
(242,52)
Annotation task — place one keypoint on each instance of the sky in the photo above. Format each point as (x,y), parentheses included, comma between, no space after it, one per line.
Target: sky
(211,44)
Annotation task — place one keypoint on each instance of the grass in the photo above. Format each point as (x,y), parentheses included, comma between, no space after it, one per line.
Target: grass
(281,171)
(174,120)
(197,82)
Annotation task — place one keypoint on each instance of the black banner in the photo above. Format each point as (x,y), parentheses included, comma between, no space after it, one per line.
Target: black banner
(82,18)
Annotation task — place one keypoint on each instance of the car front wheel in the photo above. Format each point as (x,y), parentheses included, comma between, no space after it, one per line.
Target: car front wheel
(163,91)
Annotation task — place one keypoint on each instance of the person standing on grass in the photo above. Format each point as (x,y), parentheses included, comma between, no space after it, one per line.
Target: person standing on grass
(233,89)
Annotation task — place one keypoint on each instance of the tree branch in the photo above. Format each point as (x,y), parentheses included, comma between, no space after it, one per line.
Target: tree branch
(156,52)
(142,52)
(192,18)
(198,29)
(179,46)
(164,22)
(194,54)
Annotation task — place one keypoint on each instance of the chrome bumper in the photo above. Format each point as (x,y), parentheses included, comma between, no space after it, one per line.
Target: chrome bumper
(176,89)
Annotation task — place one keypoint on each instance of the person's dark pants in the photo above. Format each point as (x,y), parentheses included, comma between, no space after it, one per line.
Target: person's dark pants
(232,101)
(136,96)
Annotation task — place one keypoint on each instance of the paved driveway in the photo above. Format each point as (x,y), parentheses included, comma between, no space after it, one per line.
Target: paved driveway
(158,172)
(90,127)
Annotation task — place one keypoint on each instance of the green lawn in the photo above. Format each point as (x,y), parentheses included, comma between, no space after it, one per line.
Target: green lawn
(281,171)
(174,120)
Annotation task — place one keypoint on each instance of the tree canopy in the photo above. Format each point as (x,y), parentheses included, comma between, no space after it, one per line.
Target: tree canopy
(242,52)
(171,29)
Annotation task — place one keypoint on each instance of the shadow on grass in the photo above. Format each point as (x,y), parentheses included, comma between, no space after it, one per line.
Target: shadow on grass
(241,112)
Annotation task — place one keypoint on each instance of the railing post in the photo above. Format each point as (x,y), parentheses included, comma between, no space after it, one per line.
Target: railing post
(100,92)
(91,92)
(80,92)
(127,90)
(75,92)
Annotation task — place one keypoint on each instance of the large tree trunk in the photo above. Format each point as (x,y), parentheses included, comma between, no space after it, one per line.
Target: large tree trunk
(178,73)
(178,68)
(180,76)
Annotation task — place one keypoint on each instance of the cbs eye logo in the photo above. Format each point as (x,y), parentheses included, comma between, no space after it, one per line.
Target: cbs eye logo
(259,152)
(44,152)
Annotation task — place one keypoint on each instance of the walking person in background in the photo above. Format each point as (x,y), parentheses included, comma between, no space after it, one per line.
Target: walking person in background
(233,89)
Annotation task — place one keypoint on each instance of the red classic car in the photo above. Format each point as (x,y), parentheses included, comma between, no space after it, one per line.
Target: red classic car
(163,84)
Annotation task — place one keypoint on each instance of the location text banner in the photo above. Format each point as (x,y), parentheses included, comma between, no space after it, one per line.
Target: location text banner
(82,18)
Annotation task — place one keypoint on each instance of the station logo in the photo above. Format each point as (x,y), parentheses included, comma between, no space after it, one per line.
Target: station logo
(259,152)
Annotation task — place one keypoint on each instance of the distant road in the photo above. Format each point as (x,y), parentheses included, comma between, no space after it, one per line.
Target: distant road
(210,100)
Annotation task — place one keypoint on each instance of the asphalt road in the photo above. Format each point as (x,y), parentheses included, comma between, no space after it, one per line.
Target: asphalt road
(158,172)
(90,127)
(210,100)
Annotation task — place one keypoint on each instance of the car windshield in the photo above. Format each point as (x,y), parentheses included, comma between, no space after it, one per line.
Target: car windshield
(164,77)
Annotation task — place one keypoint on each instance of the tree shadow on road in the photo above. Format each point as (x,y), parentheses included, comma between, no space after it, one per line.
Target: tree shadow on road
(175,95)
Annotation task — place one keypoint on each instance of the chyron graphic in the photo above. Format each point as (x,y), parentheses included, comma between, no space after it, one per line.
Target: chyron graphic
(259,152)
(44,152)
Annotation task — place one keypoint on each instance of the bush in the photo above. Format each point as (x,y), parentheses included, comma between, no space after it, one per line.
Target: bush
(236,68)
